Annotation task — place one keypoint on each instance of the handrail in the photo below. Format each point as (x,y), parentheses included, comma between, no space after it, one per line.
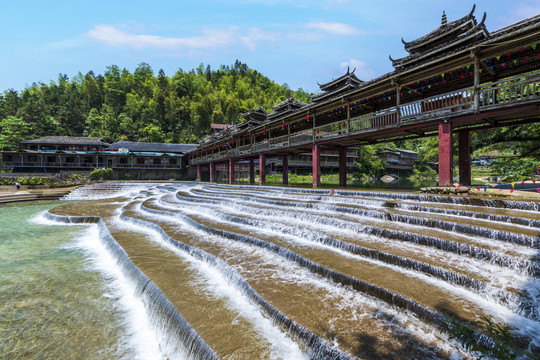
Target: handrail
(457,100)
(510,91)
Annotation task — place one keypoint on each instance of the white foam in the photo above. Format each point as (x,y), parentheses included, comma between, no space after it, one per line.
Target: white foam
(281,346)
(142,340)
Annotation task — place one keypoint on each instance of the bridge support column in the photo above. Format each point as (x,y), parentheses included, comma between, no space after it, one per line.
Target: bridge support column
(212,171)
(342,167)
(316,165)
(262,169)
(252,171)
(231,171)
(464,158)
(446,175)
(198,172)
(285,162)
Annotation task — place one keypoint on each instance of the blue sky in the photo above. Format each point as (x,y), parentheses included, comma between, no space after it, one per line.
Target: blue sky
(295,42)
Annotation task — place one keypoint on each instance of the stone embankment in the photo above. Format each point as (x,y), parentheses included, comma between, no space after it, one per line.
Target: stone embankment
(481,191)
(27,195)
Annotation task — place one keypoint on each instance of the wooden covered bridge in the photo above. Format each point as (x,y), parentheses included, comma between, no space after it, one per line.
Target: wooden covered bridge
(458,78)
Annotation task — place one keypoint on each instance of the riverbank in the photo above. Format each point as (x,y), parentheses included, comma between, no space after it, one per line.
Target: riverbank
(10,195)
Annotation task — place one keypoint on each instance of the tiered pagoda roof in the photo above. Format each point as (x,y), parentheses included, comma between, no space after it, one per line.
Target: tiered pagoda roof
(256,116)
(289,105)
(444,40)
(338,86)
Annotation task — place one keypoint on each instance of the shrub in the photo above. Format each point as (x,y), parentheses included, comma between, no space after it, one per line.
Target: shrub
(34,180)
(101,174)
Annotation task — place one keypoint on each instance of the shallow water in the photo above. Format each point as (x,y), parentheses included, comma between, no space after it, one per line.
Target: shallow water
(291,274)
(59,295)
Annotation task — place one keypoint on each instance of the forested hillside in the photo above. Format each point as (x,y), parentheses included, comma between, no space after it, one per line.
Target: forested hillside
(138,106)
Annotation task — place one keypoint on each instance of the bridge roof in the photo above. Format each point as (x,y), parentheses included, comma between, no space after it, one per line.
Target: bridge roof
(342,84)
(257,114)
(288,105)
(442,34)
(447,39)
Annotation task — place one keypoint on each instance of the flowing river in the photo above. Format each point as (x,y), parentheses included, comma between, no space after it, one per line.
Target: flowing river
(207,271)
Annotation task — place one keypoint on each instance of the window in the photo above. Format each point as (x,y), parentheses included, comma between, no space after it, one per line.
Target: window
(140,161)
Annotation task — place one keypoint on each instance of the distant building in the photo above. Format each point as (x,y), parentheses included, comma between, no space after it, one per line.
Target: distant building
(398,160)
(215,128)
(133,160)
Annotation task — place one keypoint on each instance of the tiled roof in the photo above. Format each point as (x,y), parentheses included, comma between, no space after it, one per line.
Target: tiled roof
(342,84)
(153,147)
(462,25)
(67,140)
(447,39)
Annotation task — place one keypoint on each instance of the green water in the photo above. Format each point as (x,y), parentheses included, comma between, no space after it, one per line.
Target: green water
(52,305)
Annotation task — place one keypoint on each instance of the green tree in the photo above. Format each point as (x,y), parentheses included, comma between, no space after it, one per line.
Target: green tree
(127,131)
(92,91)
(94,124)
(9,103)
(110,123)
(47,126)
(12,131)
(368,163)
(152,133)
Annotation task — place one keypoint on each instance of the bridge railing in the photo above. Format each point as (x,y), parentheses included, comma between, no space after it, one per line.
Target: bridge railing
(244,149)
(335,129)
(361,123)
(301,137)
(511,90)
(278,142)
(261,146)
(453,101)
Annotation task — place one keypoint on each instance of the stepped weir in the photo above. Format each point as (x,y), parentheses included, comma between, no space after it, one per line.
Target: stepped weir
(230,271)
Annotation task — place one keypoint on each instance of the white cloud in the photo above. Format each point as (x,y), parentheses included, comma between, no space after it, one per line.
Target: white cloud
(518,13)
(218,38)
(210,39)
(362,70)
(334,28)
(255,37)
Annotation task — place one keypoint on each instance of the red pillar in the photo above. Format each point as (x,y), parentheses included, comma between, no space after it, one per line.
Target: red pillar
(285,167)
(464,157)
(198,172)
(231,171)
(251,171)
(262,169)
(316,165)
(212,172)
(342,167)
(446,175)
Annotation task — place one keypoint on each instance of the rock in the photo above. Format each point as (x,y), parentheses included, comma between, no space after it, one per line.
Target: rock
(387,178)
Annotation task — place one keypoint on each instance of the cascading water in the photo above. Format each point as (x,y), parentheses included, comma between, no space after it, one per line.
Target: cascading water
(364,274)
